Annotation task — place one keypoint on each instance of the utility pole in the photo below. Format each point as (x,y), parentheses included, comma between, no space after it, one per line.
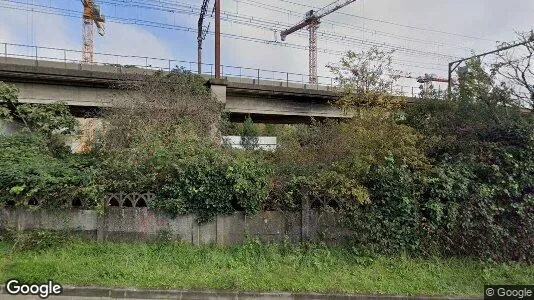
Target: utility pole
(199,60)
(217,39)
(455,64)
(201,32)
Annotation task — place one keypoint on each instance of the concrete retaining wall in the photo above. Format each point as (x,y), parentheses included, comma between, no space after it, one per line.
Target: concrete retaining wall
(134,223)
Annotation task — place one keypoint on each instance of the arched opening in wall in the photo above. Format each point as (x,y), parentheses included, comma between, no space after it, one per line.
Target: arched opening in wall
(320,203)
(33,202)
(77,203)
(236,206)
(141,203)
(127,203)
(114,202)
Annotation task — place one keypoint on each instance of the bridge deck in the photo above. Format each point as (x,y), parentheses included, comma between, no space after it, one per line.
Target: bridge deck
(92,86)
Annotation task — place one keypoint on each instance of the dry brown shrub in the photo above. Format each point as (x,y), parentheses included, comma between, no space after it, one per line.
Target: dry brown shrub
(164,107)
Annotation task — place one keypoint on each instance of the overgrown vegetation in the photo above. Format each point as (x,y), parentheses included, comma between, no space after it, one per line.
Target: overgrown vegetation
(32,175)
(446,177)
(249,136)
(36,167)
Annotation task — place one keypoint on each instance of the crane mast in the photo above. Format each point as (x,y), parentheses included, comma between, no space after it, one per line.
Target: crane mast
(312,21)
(91,14)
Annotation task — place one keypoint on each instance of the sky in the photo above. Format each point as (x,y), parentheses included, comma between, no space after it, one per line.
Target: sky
(426,34)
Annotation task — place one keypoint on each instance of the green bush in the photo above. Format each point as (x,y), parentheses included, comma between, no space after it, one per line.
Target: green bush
(481,210)
(30,174)
(249,135)
(191,177)
(477,198)
(389,222)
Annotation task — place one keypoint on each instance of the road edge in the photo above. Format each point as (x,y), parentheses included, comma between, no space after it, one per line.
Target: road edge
(133,293)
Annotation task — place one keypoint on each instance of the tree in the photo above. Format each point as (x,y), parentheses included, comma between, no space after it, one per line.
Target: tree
(160,107)
(366,79)
(515,66)
(47,119)
(249,136)
(478,85)
(53,120)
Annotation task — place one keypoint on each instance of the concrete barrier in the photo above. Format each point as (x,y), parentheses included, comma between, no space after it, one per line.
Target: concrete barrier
(141,223)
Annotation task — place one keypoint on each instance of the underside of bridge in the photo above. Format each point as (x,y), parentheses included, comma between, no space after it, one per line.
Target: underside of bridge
(87,89)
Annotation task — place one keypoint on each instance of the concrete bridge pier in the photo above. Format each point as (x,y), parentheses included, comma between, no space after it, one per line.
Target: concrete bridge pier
(218,91)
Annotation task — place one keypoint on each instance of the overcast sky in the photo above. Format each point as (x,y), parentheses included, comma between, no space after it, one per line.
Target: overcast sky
(427,34)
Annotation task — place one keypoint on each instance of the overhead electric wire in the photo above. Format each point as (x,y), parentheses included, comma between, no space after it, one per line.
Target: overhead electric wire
(184,28)
(145,4)
(395,24)
(350,26)
(257,22)
(189,9)
(75,14)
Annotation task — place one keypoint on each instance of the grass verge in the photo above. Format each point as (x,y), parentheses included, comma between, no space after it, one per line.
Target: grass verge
(253,267)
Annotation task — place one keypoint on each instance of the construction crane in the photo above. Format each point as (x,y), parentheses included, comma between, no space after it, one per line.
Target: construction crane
(312,21)
(427,79)
(91,14)
(431,78)
(201,32)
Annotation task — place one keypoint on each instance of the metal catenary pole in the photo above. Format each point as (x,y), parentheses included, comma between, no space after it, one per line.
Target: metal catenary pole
(454,65)
(217,39)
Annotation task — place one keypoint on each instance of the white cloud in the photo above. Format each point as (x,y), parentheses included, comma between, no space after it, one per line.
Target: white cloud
(53,31)
(490,19)
(131,40)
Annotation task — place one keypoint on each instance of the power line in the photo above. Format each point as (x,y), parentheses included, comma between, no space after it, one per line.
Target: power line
(271,25)
(252,21)
(144,4)
(75,14)
(350,26)
(335,38)
(395,24)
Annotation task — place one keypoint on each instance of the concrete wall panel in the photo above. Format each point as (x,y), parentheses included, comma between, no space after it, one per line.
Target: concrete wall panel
(134,224)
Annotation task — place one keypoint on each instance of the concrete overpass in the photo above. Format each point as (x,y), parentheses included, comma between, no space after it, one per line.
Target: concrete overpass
(86,87)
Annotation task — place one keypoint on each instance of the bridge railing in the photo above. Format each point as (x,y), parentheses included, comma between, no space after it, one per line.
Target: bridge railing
(108,62)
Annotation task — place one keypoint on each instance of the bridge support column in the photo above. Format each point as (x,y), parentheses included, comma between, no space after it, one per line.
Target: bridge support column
(218,91)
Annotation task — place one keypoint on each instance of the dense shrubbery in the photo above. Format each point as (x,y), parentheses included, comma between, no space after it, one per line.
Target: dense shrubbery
(30,174)
(190,177)
(447,178)
(435,178)
(161,139)
(477,197)
(175,153)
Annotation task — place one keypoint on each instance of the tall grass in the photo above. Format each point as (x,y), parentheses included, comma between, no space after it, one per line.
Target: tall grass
(253,266)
